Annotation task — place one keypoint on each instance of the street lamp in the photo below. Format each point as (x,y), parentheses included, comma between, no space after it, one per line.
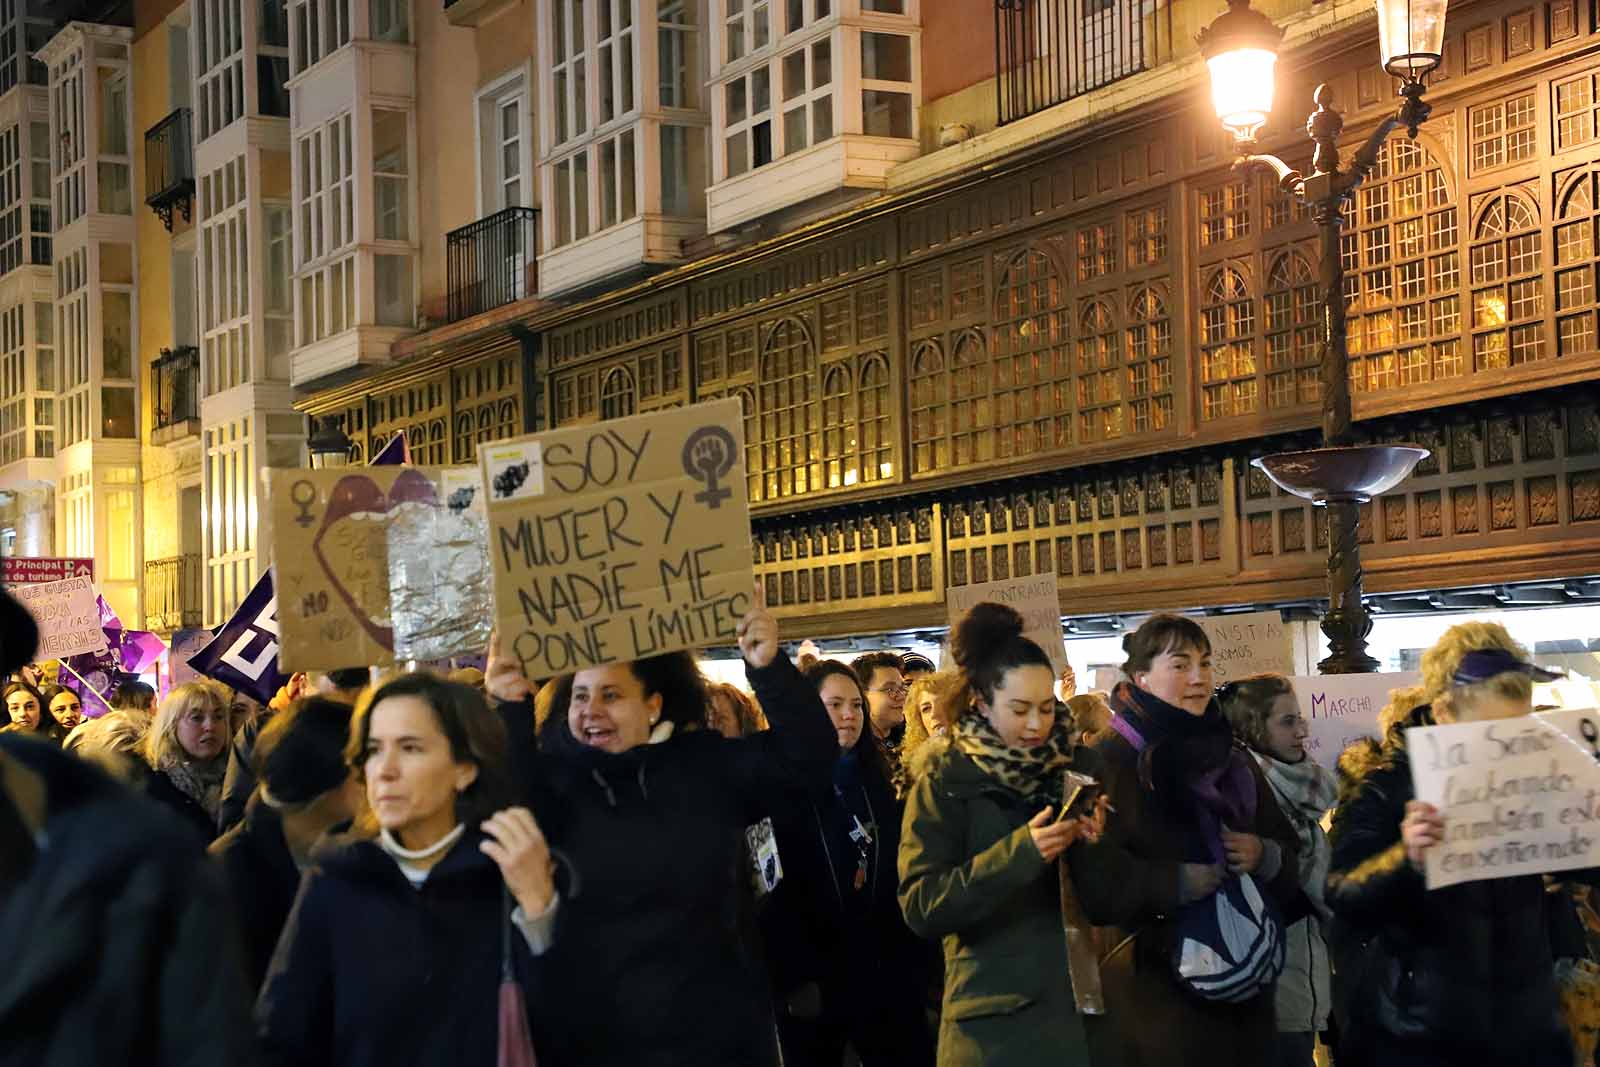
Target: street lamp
(1240,48)
(328,444)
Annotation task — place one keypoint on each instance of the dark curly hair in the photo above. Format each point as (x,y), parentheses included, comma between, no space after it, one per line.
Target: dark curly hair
(987,644)
(675,676)
(475,733)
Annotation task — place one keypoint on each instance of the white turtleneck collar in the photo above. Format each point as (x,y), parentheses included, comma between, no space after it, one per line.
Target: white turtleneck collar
(412,862)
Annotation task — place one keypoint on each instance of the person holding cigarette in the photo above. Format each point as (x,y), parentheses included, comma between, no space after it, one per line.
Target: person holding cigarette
(983,832)
(1457,975)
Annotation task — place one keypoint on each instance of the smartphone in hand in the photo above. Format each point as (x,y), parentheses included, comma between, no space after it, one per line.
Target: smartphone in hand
(1079,795)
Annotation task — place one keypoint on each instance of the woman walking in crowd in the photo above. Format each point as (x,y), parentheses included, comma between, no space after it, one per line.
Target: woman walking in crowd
(732,712)
(979,850)
(845,968)
(25,707)
(306,789)
(925,721)
(647,968)
(1266,717)
(393,951)
(1449,976)
(65,707)
(186,752)
(1191,810)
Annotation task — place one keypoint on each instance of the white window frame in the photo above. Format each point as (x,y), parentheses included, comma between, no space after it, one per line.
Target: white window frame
(492,99)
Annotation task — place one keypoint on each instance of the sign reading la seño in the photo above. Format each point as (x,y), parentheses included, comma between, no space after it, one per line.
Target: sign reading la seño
(1518,796)
(622,540)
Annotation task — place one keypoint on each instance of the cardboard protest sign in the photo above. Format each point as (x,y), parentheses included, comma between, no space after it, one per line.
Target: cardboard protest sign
(332,566)
(1255,642)
(68,615)
(620,540)
(1035,599)
(1342,708)
(1518,796)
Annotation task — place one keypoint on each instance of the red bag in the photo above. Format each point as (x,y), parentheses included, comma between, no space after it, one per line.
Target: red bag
(516,1043)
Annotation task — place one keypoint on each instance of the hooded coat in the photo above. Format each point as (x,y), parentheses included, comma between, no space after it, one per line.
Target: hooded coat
(825,938)
(971,875)
(262,880)
(113,928)
(1457,975)
(373,972)
(649,965)
(1129,882)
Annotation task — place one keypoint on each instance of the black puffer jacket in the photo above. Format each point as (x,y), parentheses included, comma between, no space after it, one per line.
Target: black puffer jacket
(1443,977)
(649,966)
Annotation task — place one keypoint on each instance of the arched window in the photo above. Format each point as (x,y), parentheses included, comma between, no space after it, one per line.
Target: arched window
(1099,375)
(436,443)
(1575,266)
(616,393)
(877,450)
(1292,348)
(747,402)
(417,445)
(1402,265)
(1030,358)
(970,438)
(788,439)
(508,421)
(486,423)
(1149,361)
(1227,347)
(930,400)
(841,464)
(1507,284)
(463,438)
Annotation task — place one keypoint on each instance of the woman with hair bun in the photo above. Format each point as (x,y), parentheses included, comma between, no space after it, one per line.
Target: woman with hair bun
(978,852)
(1192,811)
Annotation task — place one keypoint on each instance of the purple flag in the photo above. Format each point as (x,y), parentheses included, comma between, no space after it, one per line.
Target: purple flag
(393,454)
(244,653)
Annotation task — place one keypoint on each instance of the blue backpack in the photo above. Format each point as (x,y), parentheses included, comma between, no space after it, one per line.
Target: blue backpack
(1229,947)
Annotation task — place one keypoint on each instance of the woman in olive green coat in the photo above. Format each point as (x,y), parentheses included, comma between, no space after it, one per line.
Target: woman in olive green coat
(978,855)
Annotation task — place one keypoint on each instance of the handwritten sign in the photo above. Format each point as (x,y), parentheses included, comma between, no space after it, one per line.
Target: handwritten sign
(1035,599)
(1255,642)
(330,551)
(1342,708)
(1518,796)
(68,615)
(25,570)
(621,540)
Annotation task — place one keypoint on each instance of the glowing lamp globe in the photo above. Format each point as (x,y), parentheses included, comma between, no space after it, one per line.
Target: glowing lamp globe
(1411,36)
(1241,51)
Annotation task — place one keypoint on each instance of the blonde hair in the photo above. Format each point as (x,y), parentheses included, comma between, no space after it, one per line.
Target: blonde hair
(750,717)
(1512,685)
(1402,702)
(1090,714)
(938,686)
(1440,662)
(161,747)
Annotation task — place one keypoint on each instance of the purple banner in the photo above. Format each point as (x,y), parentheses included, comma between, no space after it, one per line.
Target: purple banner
(394,454)
(244,654)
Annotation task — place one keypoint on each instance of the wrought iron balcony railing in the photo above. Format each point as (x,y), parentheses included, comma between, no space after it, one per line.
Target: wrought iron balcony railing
(175,387)
(169,166)
(172,593)
(492,262)
(1049,51)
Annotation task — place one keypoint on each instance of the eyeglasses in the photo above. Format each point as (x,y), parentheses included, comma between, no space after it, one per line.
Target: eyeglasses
(892,690)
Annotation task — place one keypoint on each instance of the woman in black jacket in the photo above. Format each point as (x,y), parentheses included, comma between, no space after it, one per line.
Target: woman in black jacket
(1457,975)
(393,951)
(647,967)
(186,750)
(845,967)
(306,789)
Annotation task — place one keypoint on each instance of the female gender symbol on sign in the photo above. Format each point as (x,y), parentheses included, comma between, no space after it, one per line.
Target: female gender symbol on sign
(708,456)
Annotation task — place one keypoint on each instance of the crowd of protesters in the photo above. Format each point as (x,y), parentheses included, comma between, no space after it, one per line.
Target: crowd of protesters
(872,862)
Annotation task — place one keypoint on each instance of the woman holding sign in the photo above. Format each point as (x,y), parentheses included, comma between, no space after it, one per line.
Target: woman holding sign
(1457,975)
(647,966)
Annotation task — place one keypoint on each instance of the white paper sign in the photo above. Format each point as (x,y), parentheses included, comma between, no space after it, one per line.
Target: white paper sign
(1518,796)
(1255,642)
(1034,598)
(67,614)
(1341,708)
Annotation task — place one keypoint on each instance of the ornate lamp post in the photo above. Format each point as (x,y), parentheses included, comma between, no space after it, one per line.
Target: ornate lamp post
(328,444)
(1241,49)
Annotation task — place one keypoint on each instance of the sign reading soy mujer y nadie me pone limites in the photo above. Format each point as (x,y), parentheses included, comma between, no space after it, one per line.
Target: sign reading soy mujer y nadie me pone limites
(1518,796)
(621,540)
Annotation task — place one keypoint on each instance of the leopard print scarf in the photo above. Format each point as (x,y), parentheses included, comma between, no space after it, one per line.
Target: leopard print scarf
(1032,775)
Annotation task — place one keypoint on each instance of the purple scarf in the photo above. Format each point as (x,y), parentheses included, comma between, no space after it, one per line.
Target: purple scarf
(1184,756)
